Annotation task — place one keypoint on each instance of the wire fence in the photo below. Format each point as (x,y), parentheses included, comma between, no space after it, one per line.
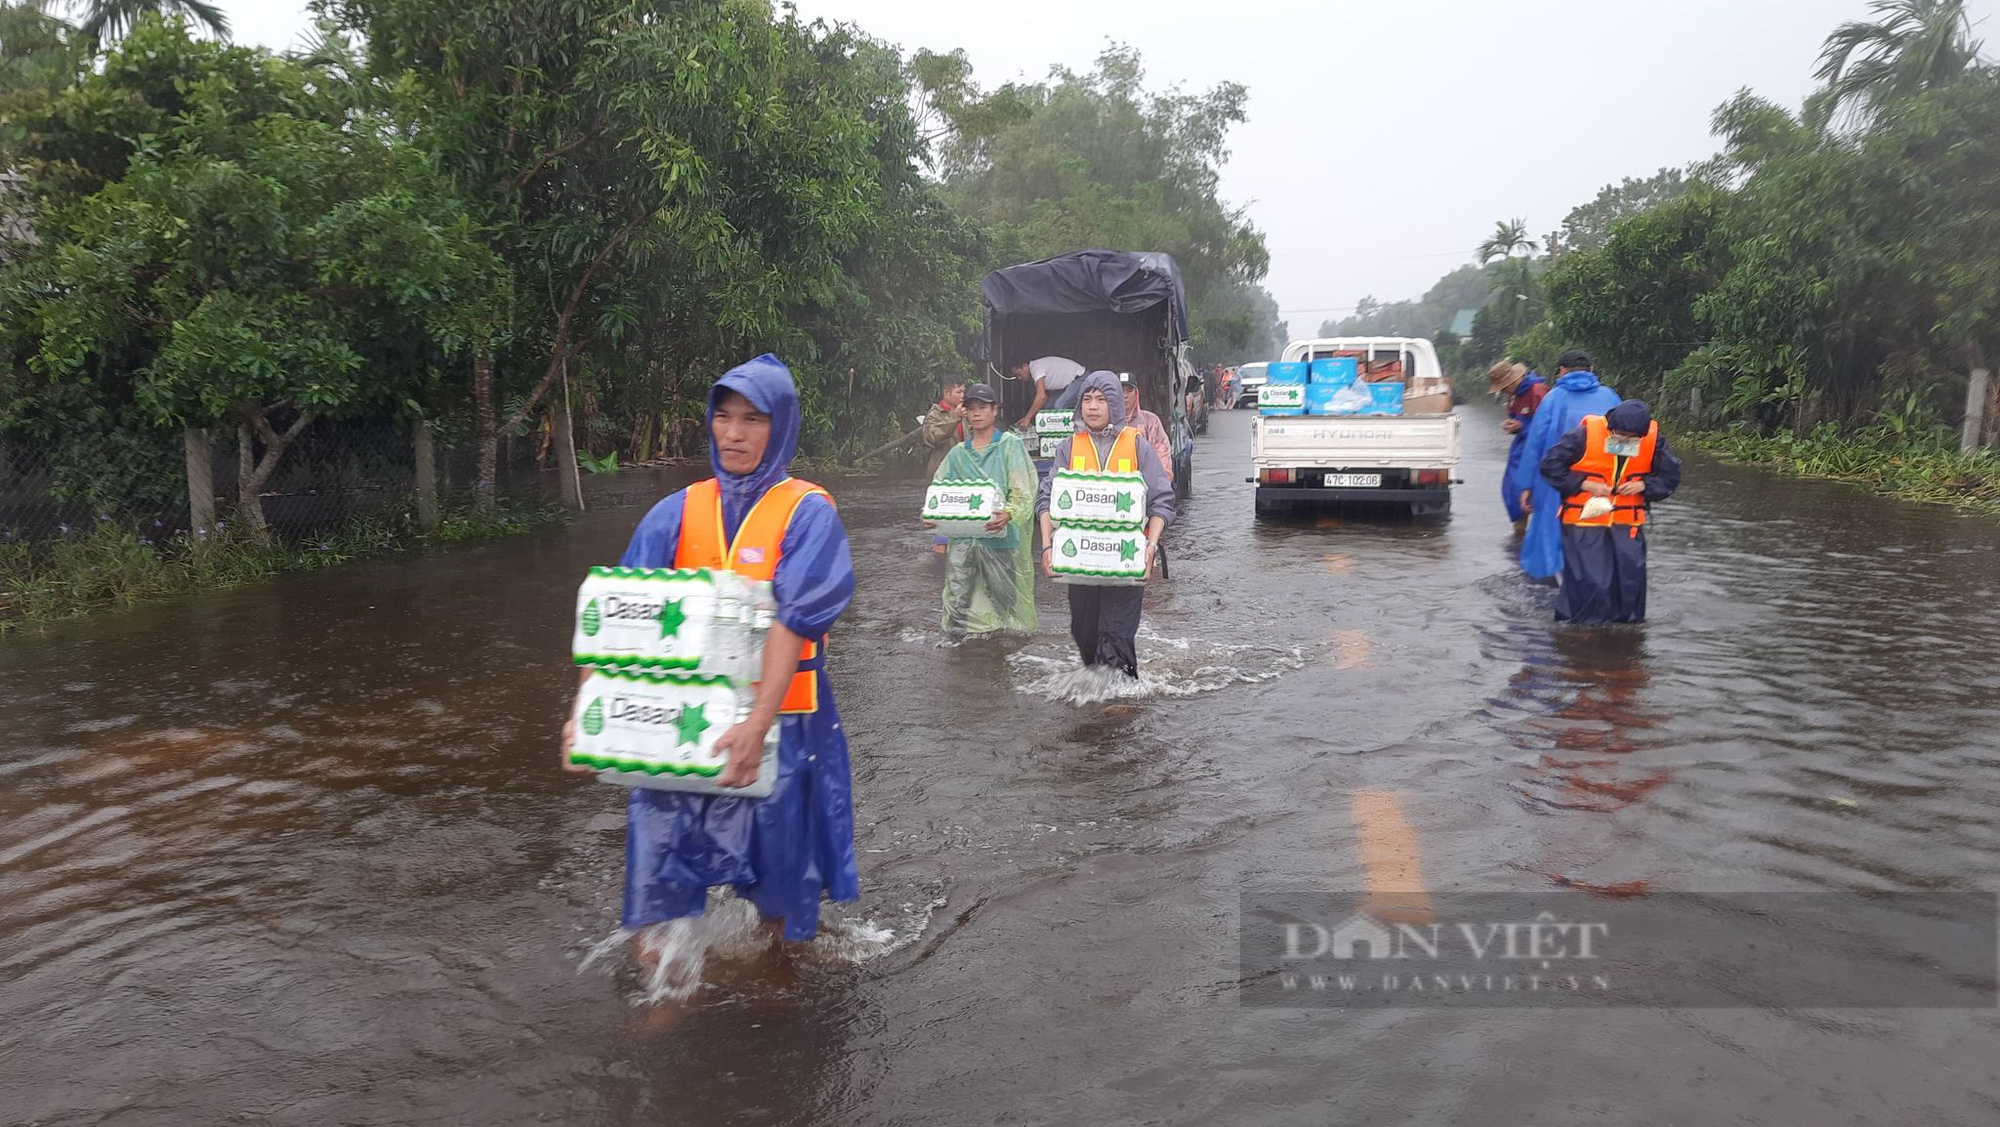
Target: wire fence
(334,473)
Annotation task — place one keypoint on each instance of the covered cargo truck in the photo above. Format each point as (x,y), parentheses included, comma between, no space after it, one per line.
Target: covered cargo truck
(1120,311)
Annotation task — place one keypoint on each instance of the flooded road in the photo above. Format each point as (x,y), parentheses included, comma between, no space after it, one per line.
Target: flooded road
(301,854)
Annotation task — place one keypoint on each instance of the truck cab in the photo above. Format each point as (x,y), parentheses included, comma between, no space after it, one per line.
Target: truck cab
(1406,460)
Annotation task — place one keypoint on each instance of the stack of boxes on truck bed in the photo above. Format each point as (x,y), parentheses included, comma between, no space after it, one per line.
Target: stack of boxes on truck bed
(1328,387)
(1347,385)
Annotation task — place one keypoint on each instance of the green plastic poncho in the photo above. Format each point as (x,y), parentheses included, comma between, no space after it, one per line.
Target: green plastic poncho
(989,584)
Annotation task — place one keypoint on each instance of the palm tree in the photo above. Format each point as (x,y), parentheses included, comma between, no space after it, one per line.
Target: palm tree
(1911,46)
(1516,283)
(108,20)
(1508,236)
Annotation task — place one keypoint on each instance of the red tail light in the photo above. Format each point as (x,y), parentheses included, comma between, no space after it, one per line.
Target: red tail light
(1431,477)
(1275,477)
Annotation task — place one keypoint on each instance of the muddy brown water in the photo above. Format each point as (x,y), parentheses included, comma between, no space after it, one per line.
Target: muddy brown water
(299,853)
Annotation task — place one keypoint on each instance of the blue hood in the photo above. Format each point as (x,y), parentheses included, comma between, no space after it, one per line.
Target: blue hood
(1106,382)
(767,384)
(1578,381)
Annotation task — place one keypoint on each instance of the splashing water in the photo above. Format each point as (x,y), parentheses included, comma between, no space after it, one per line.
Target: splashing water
(673,955)
(1168,667)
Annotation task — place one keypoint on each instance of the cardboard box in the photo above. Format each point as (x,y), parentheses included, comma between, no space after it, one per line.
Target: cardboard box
(962,508)
(1085,555)
(1097,500)
(1431,403)
(702,620)
(659,731)
(1287,371)
(1336,372)
(1384,399)
(1282,399)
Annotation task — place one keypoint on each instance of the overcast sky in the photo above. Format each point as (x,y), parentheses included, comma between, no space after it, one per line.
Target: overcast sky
(1386,136)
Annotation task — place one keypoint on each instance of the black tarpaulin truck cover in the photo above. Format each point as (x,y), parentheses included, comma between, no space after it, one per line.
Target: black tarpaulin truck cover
(1086,281)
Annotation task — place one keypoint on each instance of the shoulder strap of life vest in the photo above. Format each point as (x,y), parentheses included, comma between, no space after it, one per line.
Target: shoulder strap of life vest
(1124,452)
(754,554)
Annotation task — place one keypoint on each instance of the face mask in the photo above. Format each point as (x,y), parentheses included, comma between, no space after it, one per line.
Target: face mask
(1622,447)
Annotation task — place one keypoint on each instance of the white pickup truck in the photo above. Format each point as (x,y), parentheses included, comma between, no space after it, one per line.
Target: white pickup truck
(1405,460)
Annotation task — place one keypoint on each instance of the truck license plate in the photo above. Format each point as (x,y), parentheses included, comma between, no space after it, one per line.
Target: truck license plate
(1353,481)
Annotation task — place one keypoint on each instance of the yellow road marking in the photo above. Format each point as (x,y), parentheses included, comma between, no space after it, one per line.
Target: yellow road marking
(1392,860)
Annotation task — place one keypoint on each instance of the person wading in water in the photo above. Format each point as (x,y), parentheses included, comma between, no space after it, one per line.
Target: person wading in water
(1104,621)
(784,852)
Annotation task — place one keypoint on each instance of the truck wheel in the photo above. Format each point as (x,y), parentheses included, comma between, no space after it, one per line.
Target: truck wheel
(1267,510)
(1430,508)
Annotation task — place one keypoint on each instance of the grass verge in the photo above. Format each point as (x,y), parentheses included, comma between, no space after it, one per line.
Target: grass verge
(1914,468)
(111,565)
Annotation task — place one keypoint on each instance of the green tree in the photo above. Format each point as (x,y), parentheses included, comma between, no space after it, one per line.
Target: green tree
(38,51)
(1098,160)
(255,248)
(1911,46)
(1587,226)
(672,185)
(106,21)
(1513,284)
(1631,301)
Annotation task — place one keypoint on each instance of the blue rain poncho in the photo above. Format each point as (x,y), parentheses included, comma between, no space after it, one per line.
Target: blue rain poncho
(989,584)
(782,852)
(1575,396)
(1510,496)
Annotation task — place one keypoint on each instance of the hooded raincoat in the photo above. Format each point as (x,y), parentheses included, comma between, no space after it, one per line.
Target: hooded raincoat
(1104,621)
(782,852)
(1574,396)
(1521,405)
(989,584)
(1159,485)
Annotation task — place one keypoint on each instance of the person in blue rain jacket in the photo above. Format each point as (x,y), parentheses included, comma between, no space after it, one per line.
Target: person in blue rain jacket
(785,852)
(1576,395)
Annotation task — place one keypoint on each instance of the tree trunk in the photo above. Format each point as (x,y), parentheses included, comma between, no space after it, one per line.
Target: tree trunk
(249,505)
(200,479)
(254,472)
(427,482)
(487,429)
(565,452)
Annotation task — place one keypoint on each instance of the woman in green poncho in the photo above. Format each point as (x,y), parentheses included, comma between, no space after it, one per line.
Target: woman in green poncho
(989,582)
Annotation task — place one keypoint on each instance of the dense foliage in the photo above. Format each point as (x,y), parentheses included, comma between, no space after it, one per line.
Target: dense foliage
(494,216)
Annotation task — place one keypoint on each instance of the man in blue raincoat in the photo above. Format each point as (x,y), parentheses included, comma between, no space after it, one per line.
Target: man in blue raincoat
(1576,395)
(783,852)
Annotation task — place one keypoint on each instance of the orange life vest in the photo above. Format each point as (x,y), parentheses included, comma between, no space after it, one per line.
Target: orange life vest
(753,555)
(1600,463)
(1124,452)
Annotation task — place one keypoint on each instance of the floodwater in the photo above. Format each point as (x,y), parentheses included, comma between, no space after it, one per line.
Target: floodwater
(301,854)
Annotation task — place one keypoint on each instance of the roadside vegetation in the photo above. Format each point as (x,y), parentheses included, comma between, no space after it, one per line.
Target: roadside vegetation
(544,224)
(1816,297)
